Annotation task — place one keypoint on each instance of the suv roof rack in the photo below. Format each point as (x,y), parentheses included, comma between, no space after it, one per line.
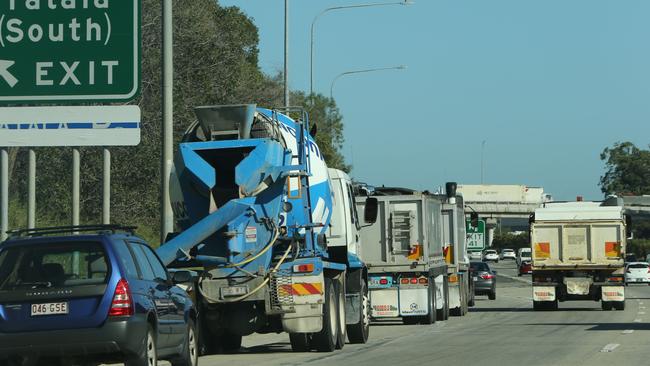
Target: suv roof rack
(71,229)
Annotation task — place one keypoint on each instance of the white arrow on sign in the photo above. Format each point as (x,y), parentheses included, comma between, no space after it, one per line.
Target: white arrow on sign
(4,72)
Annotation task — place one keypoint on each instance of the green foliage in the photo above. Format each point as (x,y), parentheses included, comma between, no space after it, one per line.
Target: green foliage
(324,113)
(639,247)
(627,170)
(510,241)
(215,62)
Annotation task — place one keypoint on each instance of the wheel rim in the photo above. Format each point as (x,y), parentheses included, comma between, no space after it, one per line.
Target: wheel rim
(151,351)
(341,315)
(365,310)
(333,316)
(192,347)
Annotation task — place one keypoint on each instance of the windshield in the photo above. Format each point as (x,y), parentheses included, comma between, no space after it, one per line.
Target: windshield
(52,265)
(479,266)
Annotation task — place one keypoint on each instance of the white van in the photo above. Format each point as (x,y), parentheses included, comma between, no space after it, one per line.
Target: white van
(524,254)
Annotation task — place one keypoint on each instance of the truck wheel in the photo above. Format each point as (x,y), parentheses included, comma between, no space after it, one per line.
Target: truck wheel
(358,332)
(410,320)
(443,314)
(325,340)
(299,342)
(492,295)
(606,305)
(430,318)
(341,331)
(230,342)
(538,305)
(619,305)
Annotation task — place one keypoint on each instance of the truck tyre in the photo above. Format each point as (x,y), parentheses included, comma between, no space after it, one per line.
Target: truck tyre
(619,305)
(443,314)
(190,354)
(300,342)
(325,340)
(606,305)
(342,330)
(410,320)
(430,318)
(230,342)
(358,332)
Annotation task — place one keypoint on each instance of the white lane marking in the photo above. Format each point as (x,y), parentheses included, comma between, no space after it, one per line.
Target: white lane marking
(628,331)
(638,320)
(610,347)
(640,302)
(642,307)
(641,312)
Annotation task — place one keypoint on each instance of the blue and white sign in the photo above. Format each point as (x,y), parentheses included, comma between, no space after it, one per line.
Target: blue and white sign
(70,126)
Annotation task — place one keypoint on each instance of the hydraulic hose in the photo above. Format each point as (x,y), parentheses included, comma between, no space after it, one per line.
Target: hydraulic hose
(261,285)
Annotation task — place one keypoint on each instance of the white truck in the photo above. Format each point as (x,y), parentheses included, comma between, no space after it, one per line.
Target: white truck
(461,285)
(578,251)
(404,252)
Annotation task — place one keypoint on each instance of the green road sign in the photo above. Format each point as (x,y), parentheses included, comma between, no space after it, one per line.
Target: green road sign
(475,235)
(54,51)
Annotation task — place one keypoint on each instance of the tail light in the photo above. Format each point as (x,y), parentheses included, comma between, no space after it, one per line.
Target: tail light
(423,281)
(122,304)
(383,281)
(303,268)
(487,276)
(404,281)
(414,281)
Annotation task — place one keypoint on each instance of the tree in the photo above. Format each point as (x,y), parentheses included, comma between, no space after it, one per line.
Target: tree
(215,62)
(627,170)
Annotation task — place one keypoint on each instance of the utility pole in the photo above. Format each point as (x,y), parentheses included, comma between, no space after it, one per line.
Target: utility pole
(286,54)
(166,214)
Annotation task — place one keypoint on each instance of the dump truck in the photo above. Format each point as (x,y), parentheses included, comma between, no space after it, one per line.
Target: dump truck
(403,250)
(578,251)
(266,228)
(461,285)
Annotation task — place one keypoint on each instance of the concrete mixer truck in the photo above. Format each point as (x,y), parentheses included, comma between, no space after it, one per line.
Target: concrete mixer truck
(269,229)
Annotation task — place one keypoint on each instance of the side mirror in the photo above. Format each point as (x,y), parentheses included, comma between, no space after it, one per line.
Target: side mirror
(371,210)
(628,226)
(181,276)
(474,219)
(495,272)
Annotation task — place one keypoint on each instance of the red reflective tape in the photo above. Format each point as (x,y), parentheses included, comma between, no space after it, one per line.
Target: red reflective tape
(289,290)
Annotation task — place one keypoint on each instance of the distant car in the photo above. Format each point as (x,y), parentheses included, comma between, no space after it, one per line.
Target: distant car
(637,272)
(485,279)
(526,267)
(524,254)
(475,256)
(93,298)
(508,254)
(490,255)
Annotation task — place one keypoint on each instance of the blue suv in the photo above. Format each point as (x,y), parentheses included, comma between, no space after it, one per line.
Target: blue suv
(101,297)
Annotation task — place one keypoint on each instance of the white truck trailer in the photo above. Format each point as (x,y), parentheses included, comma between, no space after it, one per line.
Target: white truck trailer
(404,253)
(461,286)
(578,251)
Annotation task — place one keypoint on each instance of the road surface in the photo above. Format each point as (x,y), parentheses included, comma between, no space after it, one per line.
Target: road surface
(501,332)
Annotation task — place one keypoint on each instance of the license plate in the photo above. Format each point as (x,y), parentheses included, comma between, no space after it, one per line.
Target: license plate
(234,291)
(53,308)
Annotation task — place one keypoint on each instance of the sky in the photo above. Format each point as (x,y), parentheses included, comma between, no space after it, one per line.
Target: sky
(546,84)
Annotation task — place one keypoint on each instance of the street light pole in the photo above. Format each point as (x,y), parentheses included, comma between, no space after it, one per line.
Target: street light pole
(313,24)
(286,54)
(400,67)
(482,158)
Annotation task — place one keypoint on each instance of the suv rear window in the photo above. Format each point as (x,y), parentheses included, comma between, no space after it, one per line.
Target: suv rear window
(60,264)
(638,265)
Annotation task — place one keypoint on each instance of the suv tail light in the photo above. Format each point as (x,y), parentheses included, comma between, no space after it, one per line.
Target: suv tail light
(487,276)
(122,304)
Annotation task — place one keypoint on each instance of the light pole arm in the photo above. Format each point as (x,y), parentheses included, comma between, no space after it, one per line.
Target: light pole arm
(400,67)
(313,25)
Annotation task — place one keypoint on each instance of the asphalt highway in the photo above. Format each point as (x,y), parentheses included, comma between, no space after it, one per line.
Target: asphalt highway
(502,332)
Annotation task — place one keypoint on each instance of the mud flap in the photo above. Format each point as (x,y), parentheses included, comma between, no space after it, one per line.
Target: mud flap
(612,293)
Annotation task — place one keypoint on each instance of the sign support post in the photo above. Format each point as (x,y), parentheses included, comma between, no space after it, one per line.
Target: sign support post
(76,162)
(106,189)
(31,190)
(4,193)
